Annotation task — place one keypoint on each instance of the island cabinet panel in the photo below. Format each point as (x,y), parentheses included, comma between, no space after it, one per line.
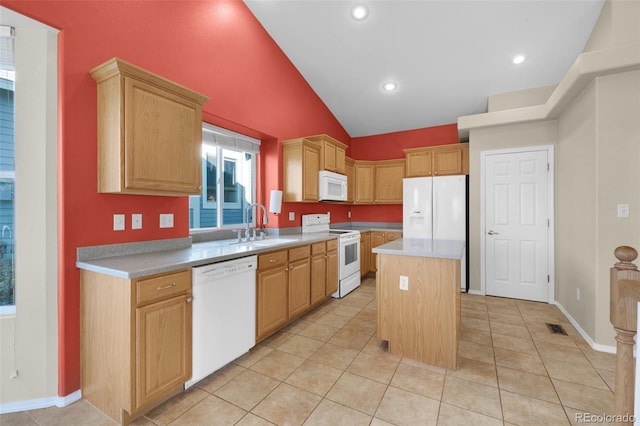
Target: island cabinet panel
(422,322)
(149,132)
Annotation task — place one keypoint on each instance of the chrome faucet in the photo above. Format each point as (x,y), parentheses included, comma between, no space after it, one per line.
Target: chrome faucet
(265,218)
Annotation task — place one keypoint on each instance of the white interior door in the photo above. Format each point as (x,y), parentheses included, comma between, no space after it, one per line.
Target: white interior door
(517,224)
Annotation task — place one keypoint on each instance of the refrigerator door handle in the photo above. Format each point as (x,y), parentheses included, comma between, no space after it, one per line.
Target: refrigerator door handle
(492,232)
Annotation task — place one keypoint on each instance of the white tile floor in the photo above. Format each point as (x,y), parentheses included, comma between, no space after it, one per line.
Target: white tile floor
(328,368)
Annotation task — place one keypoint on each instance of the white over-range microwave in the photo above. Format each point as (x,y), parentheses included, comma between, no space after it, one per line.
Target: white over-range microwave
(333,186)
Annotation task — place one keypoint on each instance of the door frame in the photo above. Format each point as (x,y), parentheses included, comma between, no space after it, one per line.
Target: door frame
(549,149)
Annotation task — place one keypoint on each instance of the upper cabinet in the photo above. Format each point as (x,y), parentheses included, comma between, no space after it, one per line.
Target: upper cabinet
(149,132)
(438,160)
(332,153)
(301,164)
(349,166)
(388,180)
(364,173)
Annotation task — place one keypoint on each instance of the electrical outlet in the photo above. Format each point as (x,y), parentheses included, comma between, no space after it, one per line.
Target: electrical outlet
(166,220)
(404,282)
(578,294)
(349,214)
(118,222)
(136,221)
(292,216)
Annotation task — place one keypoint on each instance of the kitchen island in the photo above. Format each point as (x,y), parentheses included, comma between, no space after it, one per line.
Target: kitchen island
(418,297)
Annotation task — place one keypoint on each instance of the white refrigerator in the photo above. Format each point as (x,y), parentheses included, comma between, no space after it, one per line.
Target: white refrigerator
(436,208)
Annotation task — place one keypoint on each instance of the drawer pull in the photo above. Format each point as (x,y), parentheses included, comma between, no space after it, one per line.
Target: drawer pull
(272,260)
(166,286)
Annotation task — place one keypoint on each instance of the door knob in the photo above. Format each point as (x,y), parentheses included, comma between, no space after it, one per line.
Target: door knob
(492,232)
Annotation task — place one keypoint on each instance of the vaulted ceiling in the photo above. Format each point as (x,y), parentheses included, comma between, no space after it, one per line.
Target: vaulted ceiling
(445,56)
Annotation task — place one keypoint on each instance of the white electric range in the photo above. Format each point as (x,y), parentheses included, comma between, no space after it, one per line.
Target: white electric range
(348,251)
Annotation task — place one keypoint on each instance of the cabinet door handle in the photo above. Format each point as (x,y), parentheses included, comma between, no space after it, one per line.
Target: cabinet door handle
(166,286)
(189,300)
(286,269)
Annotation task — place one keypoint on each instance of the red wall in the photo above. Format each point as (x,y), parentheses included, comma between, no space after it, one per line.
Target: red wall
(216,48)
(388,146)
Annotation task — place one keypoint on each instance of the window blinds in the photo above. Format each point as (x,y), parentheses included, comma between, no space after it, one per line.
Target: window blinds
(217,136)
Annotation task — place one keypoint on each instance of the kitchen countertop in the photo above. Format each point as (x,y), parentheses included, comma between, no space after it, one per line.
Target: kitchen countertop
(446,249)
(203,253)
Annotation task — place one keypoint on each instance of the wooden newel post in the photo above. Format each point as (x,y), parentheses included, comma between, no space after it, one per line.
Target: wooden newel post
(625,294)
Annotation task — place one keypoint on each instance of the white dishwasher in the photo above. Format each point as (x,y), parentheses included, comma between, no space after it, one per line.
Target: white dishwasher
(224,314)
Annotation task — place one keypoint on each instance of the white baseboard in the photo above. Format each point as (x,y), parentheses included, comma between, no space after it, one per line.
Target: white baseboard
(594,345)
(477,292)
(34,404)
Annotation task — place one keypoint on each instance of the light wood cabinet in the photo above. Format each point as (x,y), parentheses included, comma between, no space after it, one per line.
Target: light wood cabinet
(439,160)
(332,153)
(301,164)
(272,293)
(365,252)
(388,181)
(364,172)
(291,282)
(318,272)
(299,281)
(331,285)
(135,338)
(423,322)
(351,182)
(377,239)
(149,132)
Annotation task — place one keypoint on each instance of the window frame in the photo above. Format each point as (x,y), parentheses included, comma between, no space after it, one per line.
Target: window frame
(220,142)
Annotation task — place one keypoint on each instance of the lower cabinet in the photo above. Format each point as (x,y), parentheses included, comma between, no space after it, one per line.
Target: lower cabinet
(377,239)
(332,268)
(299,281)
(272,293)
(365,252)
(135,339)
(291,282)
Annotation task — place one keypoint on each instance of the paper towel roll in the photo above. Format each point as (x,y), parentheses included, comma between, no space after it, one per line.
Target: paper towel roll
(275,203)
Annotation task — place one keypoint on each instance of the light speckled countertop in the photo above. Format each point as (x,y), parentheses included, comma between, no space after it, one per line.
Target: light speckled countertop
(156,262)
(447,249)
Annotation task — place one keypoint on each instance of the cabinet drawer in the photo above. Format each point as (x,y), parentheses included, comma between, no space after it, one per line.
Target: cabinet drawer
(393,236)
(318,248)
(162,286)
(269,260)
(299,253)
(332,245)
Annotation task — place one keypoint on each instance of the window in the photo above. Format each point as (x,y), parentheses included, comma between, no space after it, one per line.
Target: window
(228,179)
(7,171)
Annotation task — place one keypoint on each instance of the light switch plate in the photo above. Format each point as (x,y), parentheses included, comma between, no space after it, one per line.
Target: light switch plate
(136,221)
(166,220)
(118,222)
(623,210)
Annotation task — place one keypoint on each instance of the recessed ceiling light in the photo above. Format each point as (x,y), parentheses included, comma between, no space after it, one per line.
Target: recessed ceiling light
(518,59)
(360,12)
(390,86)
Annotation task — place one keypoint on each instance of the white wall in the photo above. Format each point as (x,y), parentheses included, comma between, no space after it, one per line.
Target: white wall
(33,328)
(487,139)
